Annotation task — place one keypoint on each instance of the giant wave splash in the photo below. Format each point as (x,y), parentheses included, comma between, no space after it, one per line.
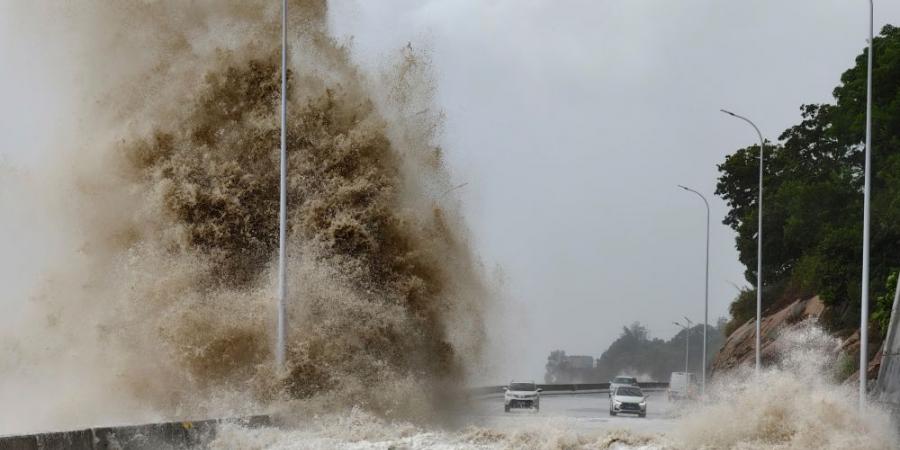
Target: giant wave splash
(163,305)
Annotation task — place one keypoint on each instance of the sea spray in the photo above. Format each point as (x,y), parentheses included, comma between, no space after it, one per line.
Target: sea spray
(795,404)
(164,308)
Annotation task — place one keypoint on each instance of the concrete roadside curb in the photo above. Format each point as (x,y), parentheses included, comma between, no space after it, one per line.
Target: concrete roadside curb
(162,436)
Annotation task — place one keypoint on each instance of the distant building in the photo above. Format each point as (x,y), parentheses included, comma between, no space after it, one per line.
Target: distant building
(580,362)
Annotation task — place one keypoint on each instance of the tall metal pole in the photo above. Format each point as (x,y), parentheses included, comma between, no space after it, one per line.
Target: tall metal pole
(705,294)
(282,210)
(864,312)
(759,235)
(687,345)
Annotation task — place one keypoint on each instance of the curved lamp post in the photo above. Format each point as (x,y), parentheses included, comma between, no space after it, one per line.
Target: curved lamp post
(458,186)
(687,342)
(759,234)
(706,292)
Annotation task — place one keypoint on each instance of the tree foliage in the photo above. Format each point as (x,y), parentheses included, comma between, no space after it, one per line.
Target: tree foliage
(635,353)
(813,182)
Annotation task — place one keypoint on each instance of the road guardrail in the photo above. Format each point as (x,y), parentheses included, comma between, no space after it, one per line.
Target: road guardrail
(565,389)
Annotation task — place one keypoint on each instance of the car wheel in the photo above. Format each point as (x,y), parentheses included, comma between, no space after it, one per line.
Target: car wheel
(506,408)
(612,413)
(642,415)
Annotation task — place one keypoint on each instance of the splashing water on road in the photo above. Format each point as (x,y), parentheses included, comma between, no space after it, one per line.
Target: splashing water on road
(795,405)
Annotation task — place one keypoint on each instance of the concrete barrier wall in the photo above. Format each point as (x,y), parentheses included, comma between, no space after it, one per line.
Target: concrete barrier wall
(157,436)
(887,387)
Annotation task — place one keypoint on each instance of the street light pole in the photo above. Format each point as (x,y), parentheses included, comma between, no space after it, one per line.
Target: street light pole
(705,294)
(687,344)
(282,210)
(864,311)
(759,234)
(690,324)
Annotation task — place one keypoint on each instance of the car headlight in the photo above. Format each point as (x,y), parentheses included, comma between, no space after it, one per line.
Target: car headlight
(617,403)
(643,404)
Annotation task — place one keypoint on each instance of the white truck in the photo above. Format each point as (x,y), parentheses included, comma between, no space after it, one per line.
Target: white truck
(681,386)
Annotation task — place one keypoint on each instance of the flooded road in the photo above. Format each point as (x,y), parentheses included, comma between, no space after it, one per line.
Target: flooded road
(583,413)
(564,422)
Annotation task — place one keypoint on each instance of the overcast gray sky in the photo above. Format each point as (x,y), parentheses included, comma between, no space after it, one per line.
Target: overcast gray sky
(572,122)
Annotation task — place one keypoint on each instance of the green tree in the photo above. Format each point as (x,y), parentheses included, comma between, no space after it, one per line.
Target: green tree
(813,185)
(557,367)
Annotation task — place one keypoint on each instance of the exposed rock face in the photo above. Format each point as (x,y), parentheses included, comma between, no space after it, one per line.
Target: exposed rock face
(739,346)
(850,348)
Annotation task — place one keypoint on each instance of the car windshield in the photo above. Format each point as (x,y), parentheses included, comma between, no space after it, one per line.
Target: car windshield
(629,392)
(522,387)
(624,380)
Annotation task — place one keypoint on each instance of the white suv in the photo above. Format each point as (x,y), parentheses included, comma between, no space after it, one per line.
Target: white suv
(522,395)
(628,399)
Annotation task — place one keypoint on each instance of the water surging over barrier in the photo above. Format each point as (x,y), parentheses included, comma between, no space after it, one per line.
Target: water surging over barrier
(169,300)
(796,404)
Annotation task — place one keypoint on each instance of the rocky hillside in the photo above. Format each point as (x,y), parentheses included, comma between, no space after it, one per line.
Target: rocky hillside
(739,345)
